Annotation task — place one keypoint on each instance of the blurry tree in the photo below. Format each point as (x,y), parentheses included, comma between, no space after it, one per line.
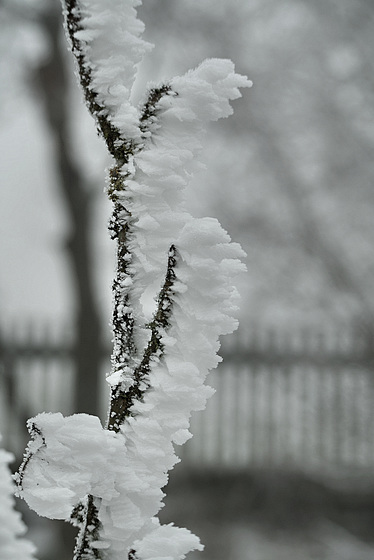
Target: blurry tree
(49,81)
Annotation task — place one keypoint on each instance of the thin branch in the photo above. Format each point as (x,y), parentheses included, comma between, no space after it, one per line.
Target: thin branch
(149,110)
(34,431)
(123,321)
(119,148)
(85,516)
(122,401)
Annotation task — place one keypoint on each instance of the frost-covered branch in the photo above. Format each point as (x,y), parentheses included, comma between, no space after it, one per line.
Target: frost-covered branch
(122,400)
(109,481)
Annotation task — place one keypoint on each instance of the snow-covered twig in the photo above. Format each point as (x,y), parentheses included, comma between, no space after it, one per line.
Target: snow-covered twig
(109,481)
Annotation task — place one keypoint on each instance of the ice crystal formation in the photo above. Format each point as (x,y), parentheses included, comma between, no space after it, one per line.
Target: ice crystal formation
(12,543)
(108,480)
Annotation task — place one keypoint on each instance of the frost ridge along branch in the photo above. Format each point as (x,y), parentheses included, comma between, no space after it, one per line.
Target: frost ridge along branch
(125,352)
(122,150)
(113,477)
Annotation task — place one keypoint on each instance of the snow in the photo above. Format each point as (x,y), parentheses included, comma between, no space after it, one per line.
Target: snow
(12,528)
(167,543)
(111,41)
(72,457)
(161,171)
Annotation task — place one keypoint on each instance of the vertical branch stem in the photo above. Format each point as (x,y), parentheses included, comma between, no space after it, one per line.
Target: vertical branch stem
(125,358)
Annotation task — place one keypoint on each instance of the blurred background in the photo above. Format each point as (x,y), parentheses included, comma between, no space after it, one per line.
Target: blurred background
(281,465)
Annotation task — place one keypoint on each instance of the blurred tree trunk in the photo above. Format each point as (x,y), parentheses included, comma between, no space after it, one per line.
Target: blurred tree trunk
(53,87)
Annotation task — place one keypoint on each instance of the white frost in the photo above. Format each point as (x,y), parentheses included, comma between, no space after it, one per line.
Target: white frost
(12,544)
(155,194)
(111,40)
(70,458)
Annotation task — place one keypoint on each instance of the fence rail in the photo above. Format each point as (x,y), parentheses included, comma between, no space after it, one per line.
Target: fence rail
(301,400)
